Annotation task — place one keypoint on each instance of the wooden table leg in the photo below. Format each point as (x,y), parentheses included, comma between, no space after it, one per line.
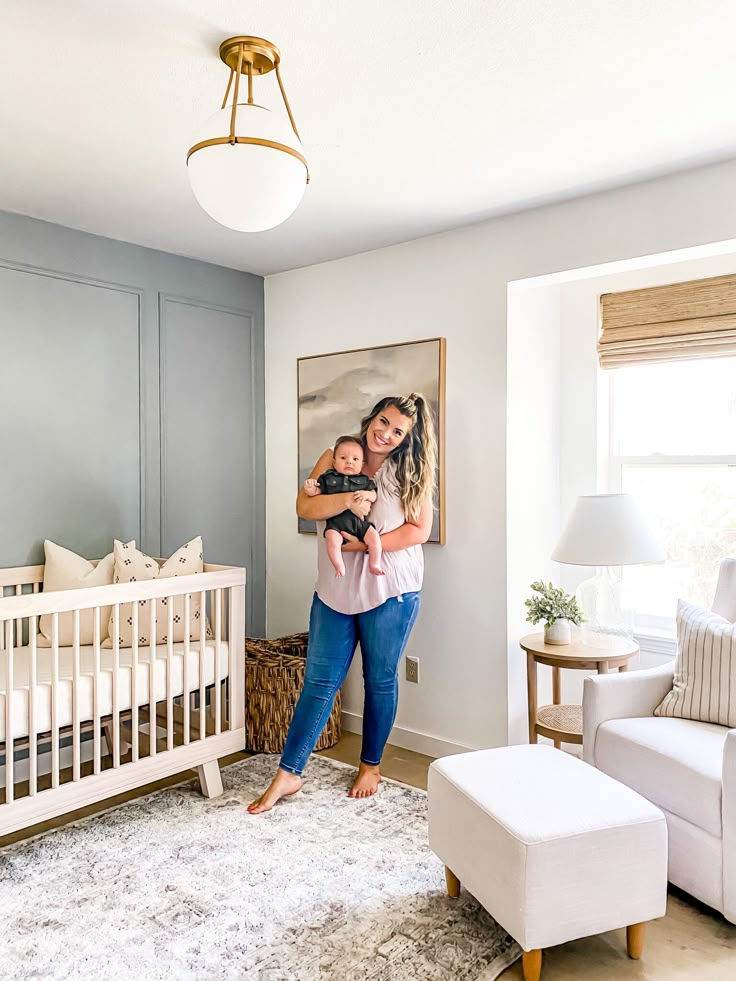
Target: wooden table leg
(556,686)
(531,690)
(623,667)
(556,697)
(531,963)
(603,667)
(635,940)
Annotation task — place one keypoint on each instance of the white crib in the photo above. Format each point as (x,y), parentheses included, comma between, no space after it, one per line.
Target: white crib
(105,721)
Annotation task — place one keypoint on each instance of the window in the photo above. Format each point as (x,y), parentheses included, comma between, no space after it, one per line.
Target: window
(673,446)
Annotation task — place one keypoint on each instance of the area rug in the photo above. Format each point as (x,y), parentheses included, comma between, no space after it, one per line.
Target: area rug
(174,886)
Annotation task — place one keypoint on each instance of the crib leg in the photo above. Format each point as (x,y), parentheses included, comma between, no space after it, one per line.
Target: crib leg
(210,780)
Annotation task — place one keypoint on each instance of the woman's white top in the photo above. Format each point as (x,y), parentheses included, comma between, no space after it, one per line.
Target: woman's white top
(359,590)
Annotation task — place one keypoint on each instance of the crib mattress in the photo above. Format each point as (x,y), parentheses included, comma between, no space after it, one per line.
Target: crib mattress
(21,681)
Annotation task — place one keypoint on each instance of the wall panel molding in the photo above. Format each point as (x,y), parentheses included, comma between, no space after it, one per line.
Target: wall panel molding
(45,272)
(252,493)
(156,280)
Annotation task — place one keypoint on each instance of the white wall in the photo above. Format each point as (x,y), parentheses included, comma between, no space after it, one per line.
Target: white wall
(533,415)
(456,285)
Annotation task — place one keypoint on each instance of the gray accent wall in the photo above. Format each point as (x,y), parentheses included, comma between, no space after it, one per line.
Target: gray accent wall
(131,401)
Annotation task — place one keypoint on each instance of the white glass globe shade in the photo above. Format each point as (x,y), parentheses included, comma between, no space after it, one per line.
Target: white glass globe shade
(248,187)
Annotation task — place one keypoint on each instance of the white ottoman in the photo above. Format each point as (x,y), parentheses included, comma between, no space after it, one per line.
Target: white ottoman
(553,848)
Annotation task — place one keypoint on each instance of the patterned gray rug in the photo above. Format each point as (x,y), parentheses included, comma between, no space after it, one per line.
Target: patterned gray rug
(174,886)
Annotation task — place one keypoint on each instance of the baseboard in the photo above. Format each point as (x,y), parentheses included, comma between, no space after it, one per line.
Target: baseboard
(418,742)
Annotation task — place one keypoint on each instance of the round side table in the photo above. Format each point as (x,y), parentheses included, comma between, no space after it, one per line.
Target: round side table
(558,722)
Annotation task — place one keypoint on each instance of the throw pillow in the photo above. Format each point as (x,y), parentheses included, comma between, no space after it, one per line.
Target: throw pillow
(705,671)
(65,569)
(132,565)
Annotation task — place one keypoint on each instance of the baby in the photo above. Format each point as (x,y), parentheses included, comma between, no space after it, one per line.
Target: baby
(344,478)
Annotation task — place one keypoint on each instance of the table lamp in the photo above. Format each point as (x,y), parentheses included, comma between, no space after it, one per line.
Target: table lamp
(606,530)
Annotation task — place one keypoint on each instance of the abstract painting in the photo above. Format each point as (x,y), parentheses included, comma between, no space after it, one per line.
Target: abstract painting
(335,391)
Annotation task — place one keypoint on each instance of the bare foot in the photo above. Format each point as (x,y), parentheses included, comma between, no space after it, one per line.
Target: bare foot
(367,781)
(284,784)
(376,569)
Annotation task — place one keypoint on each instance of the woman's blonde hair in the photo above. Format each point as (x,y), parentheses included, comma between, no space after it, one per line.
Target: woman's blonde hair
(416,456)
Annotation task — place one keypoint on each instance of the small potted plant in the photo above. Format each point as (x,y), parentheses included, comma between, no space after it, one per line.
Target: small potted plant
(558,610)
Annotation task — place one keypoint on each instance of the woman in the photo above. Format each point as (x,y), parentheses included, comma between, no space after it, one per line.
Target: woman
(379,611)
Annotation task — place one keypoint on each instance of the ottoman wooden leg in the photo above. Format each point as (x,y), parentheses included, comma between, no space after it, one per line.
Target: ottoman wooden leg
(635,939)
(453,883)
(531,963)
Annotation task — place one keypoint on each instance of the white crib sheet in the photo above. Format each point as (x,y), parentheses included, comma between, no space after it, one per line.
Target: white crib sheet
(21,681)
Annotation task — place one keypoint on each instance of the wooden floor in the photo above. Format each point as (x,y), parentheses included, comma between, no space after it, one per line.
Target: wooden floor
(691,943)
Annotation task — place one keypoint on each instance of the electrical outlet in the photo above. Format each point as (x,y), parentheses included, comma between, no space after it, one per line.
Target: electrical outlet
(412,669)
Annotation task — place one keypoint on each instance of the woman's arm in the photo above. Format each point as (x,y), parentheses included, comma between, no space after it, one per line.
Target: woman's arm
(325,506)
(410,533)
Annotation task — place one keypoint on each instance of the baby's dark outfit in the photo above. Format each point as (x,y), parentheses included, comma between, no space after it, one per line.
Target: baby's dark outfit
(332,482)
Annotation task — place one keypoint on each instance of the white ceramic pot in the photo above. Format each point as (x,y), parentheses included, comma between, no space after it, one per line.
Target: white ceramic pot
(558,633)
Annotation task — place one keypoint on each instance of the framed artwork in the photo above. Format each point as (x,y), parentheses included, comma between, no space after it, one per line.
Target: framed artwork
(335,391)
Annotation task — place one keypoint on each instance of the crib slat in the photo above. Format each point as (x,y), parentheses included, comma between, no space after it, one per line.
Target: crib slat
(231,632)
(187,693)
(152,723)
(54,700)
(218,649)
(169,667)
(76,750)
(32,723)
(236,676)
(202,640)
(115,686)
(96,741)
(134,722)
(226,605)
(9,761)
(19,623)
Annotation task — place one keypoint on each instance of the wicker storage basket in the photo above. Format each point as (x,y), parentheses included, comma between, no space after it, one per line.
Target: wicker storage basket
(274,672)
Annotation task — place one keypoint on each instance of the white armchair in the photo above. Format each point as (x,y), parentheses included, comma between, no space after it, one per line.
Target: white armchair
(688,769)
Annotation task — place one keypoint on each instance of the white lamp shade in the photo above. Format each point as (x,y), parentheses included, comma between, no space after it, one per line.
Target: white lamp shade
(607,529)
(247,186)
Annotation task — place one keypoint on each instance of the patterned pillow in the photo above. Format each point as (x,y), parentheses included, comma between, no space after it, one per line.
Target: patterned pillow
(132,565)
(705,672)
(65,569)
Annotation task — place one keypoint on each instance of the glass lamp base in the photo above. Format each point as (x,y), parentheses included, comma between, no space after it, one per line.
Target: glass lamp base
(609,620)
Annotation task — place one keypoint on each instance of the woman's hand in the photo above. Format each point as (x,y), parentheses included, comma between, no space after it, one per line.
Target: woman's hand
(352,544)
(359,505)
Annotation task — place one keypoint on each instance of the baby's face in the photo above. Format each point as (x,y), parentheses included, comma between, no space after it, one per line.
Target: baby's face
(348,458)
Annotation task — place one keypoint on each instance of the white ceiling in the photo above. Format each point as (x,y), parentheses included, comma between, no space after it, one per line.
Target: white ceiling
(416,115)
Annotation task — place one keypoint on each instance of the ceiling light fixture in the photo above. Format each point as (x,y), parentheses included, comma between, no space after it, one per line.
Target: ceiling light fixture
(247,168)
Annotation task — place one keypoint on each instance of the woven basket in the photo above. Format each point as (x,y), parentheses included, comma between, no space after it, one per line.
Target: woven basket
(274,673)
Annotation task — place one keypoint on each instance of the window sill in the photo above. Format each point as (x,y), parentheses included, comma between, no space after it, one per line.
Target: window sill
(657,642)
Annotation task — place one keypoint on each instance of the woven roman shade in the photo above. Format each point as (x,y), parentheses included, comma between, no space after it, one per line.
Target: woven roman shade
(678,322)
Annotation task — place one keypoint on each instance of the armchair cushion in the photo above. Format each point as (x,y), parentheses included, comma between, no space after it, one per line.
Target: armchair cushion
(705,672)
(675,763)
(621,696)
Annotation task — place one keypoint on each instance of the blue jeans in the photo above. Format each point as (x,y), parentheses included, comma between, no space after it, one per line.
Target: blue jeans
(333,637)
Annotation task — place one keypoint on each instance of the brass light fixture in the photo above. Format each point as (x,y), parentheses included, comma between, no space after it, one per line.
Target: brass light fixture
(247,168)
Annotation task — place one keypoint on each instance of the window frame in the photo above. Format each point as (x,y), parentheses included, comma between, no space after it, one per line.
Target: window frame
(654,633)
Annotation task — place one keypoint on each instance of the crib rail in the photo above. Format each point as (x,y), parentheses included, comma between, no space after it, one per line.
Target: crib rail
(111,719)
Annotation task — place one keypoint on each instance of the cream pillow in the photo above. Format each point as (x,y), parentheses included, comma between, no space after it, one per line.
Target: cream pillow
(132,565)
(66,570)
(705,671)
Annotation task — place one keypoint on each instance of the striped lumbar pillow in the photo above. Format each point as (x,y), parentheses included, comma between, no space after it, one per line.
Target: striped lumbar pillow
(705,672)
